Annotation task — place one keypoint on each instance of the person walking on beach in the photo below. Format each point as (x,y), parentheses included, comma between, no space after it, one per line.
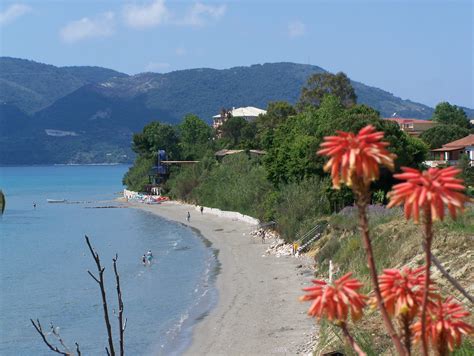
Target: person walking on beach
(202,209)
(188,217)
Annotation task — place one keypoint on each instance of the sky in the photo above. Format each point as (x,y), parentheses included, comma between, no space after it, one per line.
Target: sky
(420,50)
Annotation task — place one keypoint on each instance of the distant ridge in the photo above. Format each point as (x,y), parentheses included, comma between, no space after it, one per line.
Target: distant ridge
(103,107)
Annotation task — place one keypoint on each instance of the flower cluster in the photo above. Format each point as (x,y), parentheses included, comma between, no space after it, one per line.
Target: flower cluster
(358,155)
(444,324)
(408,295)
(333,301)
(433,189)
(402,290)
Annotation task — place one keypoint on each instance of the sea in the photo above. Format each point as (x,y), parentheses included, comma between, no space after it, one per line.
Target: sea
(44,264)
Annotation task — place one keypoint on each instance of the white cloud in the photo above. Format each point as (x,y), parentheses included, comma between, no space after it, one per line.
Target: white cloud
(157,13)
(199,14)
(153,14)
(181,51)
(157,66)
(296,29)
(101,26)
(12,12)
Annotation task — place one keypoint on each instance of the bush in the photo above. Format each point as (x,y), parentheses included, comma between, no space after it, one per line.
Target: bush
(299,205)
(238,184)
(137,176)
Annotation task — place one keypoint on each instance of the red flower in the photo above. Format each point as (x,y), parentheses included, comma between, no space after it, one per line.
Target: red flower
(444,324)
(433,189)
(334,301)
(359,154)
(402,291)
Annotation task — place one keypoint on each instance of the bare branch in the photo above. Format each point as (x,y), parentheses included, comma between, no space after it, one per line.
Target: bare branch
(40,331)
(450,278)
(100,280)
(77,349)
(120,306)
(94,277)
(61,341)
(107,350)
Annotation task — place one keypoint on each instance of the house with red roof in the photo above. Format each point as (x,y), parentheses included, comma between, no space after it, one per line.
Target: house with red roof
(413,127)
(450,153)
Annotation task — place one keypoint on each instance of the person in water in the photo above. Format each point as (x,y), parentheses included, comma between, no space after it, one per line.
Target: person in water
(144,260)
(149,257)
(34,205)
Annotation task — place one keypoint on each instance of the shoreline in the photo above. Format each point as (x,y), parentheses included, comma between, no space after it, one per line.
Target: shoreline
(257,309)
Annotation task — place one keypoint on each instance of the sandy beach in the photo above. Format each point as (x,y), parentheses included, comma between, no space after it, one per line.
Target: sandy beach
(258,311)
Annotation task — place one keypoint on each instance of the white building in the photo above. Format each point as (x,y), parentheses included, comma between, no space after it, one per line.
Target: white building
(249,113)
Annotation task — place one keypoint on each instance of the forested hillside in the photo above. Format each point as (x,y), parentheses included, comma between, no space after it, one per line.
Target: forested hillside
(91,104)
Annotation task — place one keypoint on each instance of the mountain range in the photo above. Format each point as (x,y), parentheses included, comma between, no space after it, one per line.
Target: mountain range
(52,114)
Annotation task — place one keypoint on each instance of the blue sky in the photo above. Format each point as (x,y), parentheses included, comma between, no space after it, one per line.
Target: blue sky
(420,50)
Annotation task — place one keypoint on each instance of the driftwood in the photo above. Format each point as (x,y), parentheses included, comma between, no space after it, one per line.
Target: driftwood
(122,323)
(100,282)
(55,332)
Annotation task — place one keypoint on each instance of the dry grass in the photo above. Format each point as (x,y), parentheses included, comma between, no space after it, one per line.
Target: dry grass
(396,243)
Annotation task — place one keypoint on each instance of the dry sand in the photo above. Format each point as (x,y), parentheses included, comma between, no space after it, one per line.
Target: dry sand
(258,312)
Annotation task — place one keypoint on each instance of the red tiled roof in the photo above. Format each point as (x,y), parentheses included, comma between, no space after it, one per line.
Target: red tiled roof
(400,120)
(465,141)
(450,148)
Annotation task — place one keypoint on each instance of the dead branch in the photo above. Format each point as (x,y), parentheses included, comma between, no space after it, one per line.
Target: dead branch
(450,278)
(101,283)
(77,349)
(55,332)
(40,331)
(122,325)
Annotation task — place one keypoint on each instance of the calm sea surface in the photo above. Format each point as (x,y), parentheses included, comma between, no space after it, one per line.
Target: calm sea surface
(44,262)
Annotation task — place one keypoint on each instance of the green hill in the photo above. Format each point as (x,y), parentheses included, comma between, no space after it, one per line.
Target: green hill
(83,114)
(32,86)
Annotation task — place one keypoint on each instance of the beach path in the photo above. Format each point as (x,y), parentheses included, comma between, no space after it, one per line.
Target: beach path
(258,312)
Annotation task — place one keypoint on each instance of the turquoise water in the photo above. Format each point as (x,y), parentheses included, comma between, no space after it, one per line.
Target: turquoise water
(44,262)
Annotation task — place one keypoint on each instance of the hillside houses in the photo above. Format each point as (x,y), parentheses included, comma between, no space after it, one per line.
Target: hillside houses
(413,127)
(450,153)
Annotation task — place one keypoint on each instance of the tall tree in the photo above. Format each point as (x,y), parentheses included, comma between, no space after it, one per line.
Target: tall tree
(236,132)
(277,113)
(156,136)
(442,134)
(321,84)
(195,137)
(448,114)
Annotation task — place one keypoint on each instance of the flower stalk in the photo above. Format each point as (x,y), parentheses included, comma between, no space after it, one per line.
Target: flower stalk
(428,236)
(351,341)
(361,202)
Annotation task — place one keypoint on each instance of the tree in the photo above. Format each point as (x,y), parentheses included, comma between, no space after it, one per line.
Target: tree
(156,136)
(195,136)
(442,134)
(321,84)
(236,132)
(292,158)
(448,114)
(467,172)
(277,113)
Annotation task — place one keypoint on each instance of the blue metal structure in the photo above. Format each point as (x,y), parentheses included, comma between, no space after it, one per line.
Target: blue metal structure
(159,173)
